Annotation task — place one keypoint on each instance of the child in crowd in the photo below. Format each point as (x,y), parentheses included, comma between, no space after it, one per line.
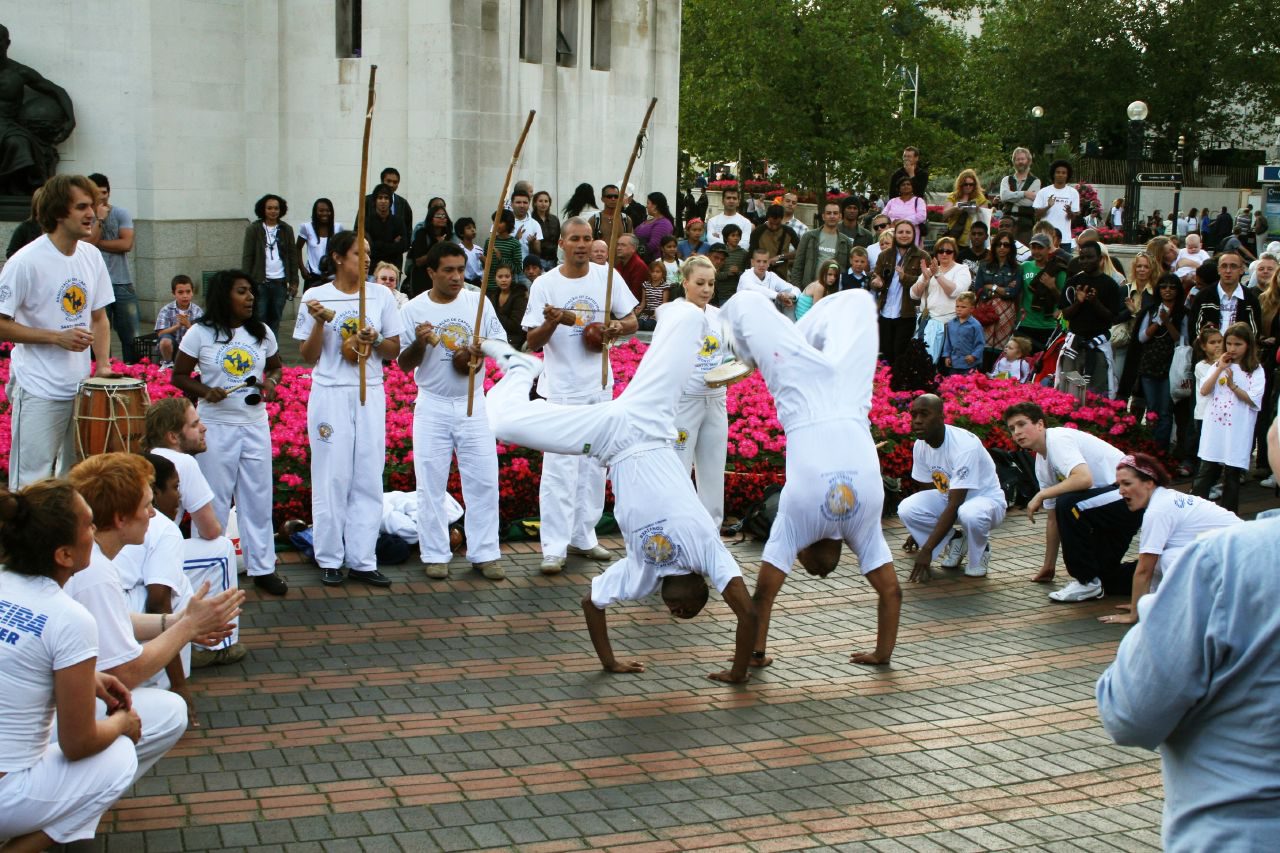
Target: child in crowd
(388,276)
(174,319)
(532,269)
(465,229)
(1208,348)
(858,272)
(736,260)
(1013,362)
(506,248)
(963,339)
(693,244)
(671,261)
(827,282)
(1234,387)
(655,294)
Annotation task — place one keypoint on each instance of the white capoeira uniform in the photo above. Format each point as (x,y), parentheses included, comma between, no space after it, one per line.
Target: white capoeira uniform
(43,630)
(212,560)
(158,560)
(571,492)
(960,463)
(238,461)
(820,373)
(163,714)
(348,440)
(666,529)
(702,420)
(441,428)
(1172,521)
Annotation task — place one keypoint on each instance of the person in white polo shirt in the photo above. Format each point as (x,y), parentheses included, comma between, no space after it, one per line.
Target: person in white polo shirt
(53,298)
(1076,472)
(965,490)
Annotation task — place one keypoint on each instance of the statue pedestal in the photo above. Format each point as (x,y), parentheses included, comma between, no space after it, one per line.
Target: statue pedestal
(14,208)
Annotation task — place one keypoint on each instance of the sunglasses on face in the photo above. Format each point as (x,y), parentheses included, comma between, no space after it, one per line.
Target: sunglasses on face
(944,251)
(1003,245)
(880,226)
(968,184)
(611,195)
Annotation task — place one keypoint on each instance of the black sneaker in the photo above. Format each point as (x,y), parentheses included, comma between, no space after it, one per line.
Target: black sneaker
(272,583)
(332,577)
(373,578)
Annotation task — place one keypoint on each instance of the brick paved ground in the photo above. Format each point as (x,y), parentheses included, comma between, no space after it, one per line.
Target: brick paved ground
(466,714)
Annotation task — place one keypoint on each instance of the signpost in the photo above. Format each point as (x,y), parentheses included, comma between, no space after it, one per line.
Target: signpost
(1158,178)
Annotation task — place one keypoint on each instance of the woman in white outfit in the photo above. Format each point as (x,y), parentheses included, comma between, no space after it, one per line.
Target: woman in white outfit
(702,418)
(938,286)
(346,436)
(54,790)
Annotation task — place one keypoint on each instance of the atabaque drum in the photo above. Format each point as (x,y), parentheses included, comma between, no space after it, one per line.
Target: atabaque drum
(111,416)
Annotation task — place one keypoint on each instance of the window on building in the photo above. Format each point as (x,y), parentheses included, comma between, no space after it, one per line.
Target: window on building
(601,33)
(531,30)
(567,32)
(347,28)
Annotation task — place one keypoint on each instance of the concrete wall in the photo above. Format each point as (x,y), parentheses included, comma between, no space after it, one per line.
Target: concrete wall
(195,108)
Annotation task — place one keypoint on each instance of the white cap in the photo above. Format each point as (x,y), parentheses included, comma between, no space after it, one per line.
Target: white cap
(631,190)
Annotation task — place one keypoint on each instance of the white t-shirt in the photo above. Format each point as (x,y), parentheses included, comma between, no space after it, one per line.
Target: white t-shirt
(1174,520)
(716,224)
(771,285)
(796,225)
(226,364)
(1186,272)
(1202,371)
(1006,369)
(44,289)
(711,354)
(381,312)
(158,560)
(525,227)
(1068,448)
(960,463)
(1053,198)
(98,589)
(314,252)
(475,262)
(1226,435)
(192,484)
(571,371)
(275,253)
(454,323)
(42,630)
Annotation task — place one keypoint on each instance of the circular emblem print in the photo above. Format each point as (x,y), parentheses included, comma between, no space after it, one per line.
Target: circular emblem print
(682,437)
(584,311)
(941,482)
(840,500)
(325,431)
(710,346)
(347,323)
(237,360)
(454,335)
(73,298)
(659,549)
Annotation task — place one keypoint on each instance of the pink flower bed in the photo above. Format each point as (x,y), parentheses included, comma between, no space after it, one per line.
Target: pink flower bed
(756,442)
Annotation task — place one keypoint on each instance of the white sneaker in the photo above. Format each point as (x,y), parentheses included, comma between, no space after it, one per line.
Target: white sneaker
(1215,492)
(596,552)
(552,565)
(979,570)
(954,554)
(1269,483)
(1076,591)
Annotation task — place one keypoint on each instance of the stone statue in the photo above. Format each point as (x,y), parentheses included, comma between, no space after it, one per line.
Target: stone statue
(31,124)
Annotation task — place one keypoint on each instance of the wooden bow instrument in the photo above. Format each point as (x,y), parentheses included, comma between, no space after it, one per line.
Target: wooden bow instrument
(363,357)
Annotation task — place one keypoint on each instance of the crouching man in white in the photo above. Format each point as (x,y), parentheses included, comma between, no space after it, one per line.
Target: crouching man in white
(965,490)
(135,646)
(833,493)
(671,541)
(54,790)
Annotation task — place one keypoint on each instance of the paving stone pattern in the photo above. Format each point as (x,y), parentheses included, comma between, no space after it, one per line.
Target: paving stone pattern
(469,714)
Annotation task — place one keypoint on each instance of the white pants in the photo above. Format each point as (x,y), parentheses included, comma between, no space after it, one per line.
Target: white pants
(212,560)
(441,428)
(164,719)
(65,799)
(702,436)
(977,517)
(42,434)
(570,495)
(348,452)
(238,464)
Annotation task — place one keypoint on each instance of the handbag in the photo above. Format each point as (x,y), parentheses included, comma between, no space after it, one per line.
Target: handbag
(1121,335)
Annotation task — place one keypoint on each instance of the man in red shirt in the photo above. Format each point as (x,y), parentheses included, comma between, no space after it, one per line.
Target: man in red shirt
(632,267)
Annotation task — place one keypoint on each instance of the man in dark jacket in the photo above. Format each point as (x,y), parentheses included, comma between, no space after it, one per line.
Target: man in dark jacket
(1229,301)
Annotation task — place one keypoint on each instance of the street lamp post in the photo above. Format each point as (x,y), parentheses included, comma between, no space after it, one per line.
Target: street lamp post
(1177,187)
(1037,113)
(1137,113)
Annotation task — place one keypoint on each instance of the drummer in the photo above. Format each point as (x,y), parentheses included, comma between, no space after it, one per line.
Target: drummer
(702,418)
(833,491)
(53,298)
(670,540)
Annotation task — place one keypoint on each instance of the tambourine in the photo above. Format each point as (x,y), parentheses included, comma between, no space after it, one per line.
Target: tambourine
(726,374)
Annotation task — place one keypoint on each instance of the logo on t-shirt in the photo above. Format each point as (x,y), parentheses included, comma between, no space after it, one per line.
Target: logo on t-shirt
(325,431)
(1184,502)
(585,311)
(454,334)
(941,481)
(840,500)
(682,438)
(18,618)
(657,546)
(710,346)
(347,323)
(237,360)
(5,292)
(73,298)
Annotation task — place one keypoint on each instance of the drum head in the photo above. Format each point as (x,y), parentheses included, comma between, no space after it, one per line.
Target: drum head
(114,382)
(726,374)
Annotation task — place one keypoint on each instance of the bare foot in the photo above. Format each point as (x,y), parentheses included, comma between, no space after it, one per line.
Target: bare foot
(868,658)
(1044,576)
(728,677)
(625,666)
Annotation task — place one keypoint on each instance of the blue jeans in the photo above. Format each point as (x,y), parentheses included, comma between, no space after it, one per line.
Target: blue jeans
(269,304)
(125,318)
(1155,389)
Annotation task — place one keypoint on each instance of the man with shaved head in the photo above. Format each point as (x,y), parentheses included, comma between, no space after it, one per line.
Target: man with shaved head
(965,490)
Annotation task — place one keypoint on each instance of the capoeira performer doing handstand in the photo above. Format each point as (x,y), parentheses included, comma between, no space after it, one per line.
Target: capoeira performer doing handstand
(820,371)
(671,541)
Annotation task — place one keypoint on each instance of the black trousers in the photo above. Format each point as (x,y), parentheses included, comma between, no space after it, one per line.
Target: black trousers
(895,334)
(1096,528)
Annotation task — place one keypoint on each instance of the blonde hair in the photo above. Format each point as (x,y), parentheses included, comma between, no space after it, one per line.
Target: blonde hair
(1269,297)
(1024,345)
(384,265)
(693,263)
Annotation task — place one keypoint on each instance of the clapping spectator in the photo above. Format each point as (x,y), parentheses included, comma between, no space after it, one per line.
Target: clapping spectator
(1161,329)
(173,320)
(998,284)
(693,242)
(940,283)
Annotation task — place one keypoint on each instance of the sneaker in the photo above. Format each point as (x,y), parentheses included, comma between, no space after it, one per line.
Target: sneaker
(272,583)
(200,658)
(596,552)
(979,569)
(332,577)
(552,565)
(372,578)
(1215,492)
(507,356)
(956,548)
(1269,483)
(491,569)
(1076,591)
(437,571)
(166,365)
